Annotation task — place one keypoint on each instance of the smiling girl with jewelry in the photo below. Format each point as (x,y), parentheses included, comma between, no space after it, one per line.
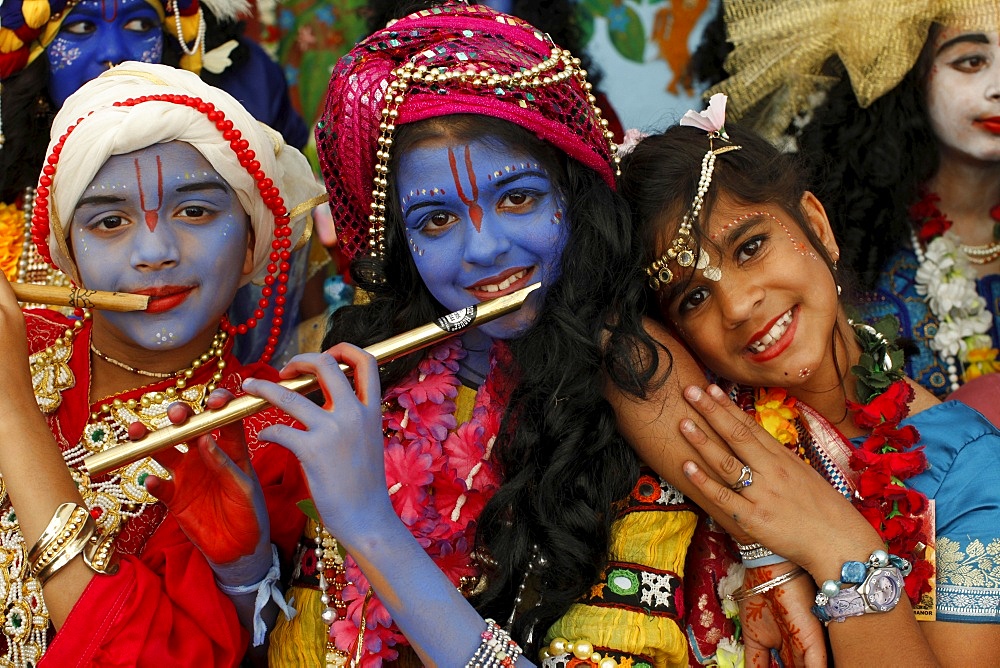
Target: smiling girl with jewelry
(897,115)
(155,184)
(741,264)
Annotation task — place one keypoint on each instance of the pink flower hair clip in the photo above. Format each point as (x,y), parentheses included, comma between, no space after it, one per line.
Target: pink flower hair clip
(712,120)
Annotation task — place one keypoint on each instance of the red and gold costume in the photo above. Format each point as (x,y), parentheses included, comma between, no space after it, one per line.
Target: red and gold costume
(162,604)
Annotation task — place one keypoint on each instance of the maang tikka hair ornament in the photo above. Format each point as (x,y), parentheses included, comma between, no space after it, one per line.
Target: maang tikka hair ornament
(683,249)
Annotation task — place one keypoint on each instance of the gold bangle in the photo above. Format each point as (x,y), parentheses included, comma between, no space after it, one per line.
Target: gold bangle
(743,594)
(70,521)
(66,551)
(55,526)
(99,554)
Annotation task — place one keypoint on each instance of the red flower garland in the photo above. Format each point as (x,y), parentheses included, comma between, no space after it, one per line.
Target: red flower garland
(884,461)
(931,222)
(439,475)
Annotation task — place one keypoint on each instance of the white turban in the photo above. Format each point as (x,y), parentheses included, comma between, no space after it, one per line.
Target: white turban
(106,130)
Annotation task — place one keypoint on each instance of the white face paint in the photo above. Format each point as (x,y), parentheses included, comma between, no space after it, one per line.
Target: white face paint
(963,95)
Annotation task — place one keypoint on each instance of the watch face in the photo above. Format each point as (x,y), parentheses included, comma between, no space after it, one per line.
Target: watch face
(882,589)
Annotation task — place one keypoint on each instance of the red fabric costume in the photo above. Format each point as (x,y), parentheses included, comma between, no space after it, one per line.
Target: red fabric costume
(162,606)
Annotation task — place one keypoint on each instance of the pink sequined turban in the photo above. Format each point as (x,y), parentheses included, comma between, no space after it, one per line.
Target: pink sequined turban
(453,59)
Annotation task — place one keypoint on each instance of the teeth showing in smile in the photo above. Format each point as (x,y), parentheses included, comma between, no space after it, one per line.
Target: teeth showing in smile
(504,284)
(775,333)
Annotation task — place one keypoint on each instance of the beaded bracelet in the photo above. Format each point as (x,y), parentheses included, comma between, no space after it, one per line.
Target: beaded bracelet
(742,594)
(71,532)
(65,536)
(496,649)
(99,554)
(875,585)
(756,555)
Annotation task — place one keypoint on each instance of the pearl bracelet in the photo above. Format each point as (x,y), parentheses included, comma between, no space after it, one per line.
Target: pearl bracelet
(496,649)
(872,586)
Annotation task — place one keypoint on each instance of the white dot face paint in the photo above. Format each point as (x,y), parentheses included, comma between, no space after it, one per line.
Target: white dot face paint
(150,224)
(98,32)
(483,219)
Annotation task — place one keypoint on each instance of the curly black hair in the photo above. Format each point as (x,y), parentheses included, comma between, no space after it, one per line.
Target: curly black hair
(867,165)
(562,460)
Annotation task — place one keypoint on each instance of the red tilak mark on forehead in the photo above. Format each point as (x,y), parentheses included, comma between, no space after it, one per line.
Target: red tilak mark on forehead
(475,211)
(104,10)
(152,214)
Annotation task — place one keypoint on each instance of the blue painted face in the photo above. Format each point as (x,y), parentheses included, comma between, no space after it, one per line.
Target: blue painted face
(483,219)
(98,32)
(160,221)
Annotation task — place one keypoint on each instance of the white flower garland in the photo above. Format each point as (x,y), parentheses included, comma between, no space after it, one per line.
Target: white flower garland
(947,281)
(730,652)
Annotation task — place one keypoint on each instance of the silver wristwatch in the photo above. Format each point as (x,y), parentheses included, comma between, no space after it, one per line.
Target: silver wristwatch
(879,592)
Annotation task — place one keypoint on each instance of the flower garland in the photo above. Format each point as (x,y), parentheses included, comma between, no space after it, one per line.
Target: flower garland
(439,474)
(887,456)
(731,652)
(945,277)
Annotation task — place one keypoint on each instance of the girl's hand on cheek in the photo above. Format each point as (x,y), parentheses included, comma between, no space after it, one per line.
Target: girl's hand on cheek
(788,507)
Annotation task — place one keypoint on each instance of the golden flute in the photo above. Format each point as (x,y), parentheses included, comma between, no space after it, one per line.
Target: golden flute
(241,407)
(79,298)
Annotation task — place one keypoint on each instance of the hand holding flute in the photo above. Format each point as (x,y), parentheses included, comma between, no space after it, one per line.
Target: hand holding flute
(241,407)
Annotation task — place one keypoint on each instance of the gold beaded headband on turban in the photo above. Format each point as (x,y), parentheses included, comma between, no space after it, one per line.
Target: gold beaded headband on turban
(780,48)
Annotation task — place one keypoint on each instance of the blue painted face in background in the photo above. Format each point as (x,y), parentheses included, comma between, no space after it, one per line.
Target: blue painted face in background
(98,32)
(483,219)
(162,222)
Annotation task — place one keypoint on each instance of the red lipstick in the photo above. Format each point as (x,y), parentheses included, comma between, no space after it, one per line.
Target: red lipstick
(778,346)
(165,297)
(991,125)
(476,289)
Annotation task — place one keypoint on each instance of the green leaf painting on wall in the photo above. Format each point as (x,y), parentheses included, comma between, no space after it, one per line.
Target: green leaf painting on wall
(625,29)
(672,24)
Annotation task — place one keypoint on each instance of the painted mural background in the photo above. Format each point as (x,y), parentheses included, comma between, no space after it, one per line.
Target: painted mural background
(641,46)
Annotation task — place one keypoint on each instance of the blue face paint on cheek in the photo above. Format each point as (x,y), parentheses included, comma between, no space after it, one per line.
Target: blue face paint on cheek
(483,219)
(97,33)
(189,260)
(62,54)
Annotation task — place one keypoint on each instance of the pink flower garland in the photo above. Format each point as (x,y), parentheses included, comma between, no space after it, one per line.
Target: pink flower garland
(439,479)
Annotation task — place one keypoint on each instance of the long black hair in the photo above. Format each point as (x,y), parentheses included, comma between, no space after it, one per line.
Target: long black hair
(660,178)
(27,116)
(563,463)
(868,165)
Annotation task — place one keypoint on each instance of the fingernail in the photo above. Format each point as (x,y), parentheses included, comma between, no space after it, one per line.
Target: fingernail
(690,468)
(693,393)
(716,392)
(687,426)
